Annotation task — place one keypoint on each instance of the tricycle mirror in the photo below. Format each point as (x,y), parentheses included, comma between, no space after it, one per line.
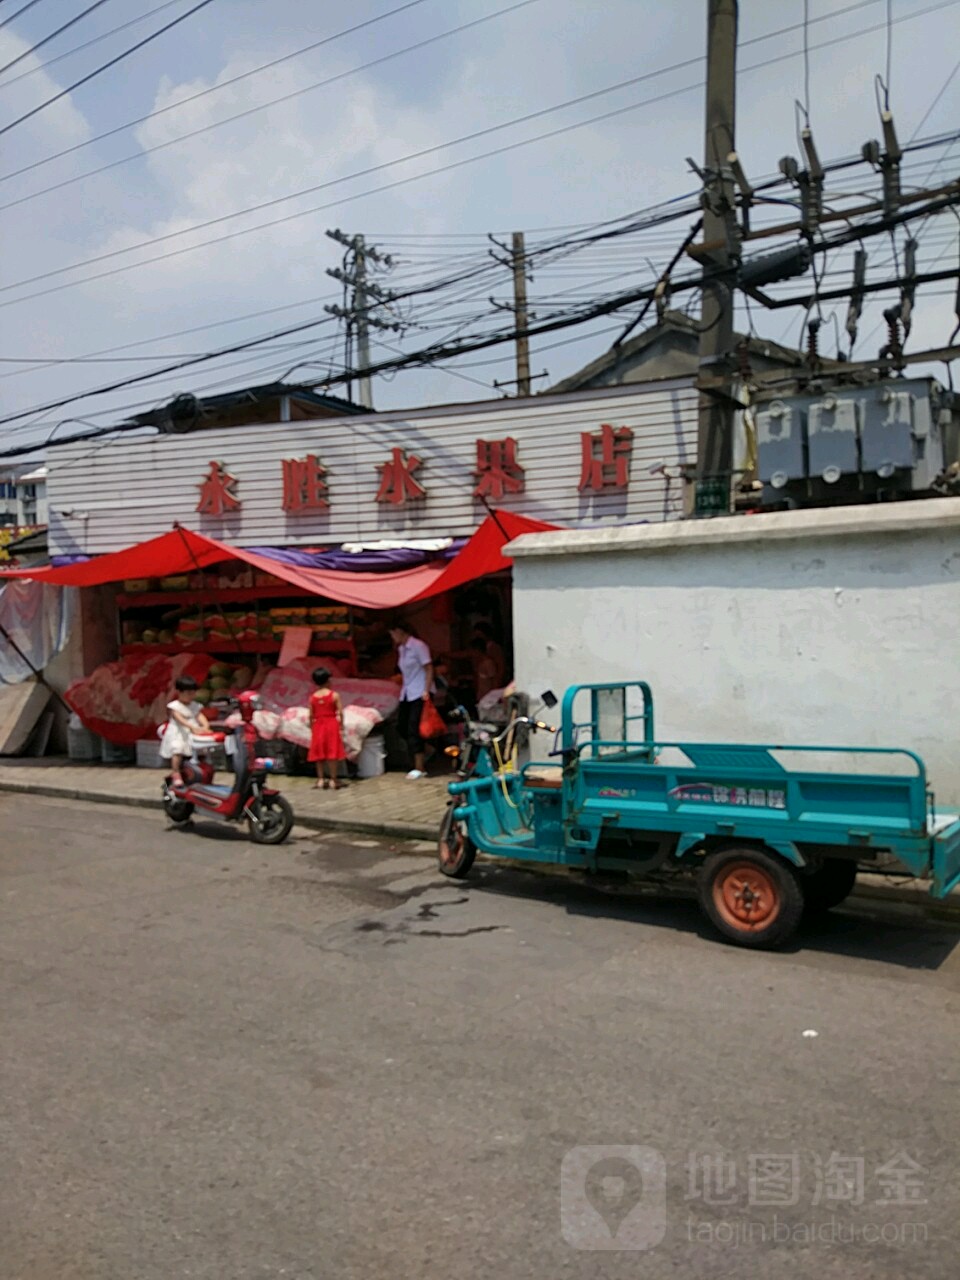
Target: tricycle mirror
(549,699)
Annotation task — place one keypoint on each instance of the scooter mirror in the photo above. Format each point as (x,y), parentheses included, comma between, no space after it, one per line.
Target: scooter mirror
(549,699)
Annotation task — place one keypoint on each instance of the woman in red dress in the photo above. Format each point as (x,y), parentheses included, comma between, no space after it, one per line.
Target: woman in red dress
(326,730)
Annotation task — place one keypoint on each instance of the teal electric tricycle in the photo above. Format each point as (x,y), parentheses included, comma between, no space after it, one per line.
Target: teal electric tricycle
(766,832)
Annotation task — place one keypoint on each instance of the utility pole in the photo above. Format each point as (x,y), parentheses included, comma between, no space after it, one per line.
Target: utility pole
(715,435)
(365,296)
(361,311)
(520,313)
(514,257)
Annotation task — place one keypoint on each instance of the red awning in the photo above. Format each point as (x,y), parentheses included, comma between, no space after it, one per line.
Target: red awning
(183,551)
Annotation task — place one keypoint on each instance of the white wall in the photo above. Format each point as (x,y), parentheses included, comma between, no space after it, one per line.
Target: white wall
(839,627)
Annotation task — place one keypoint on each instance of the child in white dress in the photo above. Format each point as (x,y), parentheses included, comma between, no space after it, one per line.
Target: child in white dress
(185,718)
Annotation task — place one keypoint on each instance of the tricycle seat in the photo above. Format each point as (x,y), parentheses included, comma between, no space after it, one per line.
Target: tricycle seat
(543,779)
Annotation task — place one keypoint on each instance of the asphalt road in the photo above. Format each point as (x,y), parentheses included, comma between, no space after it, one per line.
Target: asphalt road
(323,1060)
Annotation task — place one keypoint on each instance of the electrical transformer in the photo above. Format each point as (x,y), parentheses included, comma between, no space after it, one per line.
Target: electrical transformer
(857,443)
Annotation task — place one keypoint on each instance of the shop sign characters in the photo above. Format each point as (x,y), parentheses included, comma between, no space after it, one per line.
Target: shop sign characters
(498,472)
(397,483)
(218,492)
(304,484)
(604,465)
(605,458)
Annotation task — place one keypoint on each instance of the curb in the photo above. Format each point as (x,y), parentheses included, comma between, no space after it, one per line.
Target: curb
(397,830)
(947,908)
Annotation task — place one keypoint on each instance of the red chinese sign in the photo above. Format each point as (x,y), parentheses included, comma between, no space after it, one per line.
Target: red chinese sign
(498,471)
(217,492)
(304,484)
(397,483)
(605,458)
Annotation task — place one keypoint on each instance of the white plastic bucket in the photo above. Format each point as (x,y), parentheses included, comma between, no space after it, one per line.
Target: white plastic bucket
(372,760)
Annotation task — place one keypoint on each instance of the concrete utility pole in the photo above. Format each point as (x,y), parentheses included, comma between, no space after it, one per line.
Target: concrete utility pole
(362,313)
(520,313)
(715,436)
(365,296)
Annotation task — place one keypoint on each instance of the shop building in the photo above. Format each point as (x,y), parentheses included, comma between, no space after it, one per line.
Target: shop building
(402,485)
(324,525)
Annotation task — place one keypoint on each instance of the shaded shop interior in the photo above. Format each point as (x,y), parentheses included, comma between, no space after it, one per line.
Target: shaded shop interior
(263,618)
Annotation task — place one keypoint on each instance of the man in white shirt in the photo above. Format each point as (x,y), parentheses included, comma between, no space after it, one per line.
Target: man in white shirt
(416,668)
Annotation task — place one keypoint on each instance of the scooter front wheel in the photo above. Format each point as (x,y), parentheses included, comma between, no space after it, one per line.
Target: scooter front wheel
(271,820)
(179,812)
(455,850)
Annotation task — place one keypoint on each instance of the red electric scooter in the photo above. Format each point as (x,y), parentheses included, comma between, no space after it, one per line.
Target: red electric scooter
(268,815)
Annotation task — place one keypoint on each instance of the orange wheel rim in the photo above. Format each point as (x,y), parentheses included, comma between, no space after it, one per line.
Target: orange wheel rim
(747,897)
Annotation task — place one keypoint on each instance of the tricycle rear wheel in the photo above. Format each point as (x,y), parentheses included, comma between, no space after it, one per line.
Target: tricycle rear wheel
(829,885)
(455,850)
(752,897)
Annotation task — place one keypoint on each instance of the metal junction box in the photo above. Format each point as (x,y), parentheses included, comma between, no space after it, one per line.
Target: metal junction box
(900,432)
(780,443)
(832,438)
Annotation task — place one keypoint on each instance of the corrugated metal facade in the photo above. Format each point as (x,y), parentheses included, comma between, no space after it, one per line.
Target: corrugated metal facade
(105,496)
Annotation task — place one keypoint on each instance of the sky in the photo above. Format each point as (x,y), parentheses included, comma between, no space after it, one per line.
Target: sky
(77,278)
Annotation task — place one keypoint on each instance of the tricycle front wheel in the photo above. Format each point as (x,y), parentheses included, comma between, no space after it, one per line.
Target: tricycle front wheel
(753,897)
(455,850)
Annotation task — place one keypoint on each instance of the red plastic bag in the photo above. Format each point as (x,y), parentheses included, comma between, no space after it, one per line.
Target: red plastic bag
(431,721)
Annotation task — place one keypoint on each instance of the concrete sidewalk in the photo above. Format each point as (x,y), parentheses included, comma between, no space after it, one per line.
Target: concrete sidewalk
(386,806)
(389,805)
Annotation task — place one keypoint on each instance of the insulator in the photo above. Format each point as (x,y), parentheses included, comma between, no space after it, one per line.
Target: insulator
(894,347)
(813,341)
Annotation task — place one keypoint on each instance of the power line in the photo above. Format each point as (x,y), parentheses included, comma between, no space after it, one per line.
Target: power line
(404,159)
(51,362)
(88,44)
(678,66)
(266,66)
(203,358)
(613,303)
(333,182)
(433,287)
(179,333)
(435,352)
(28,115)
(6,22)
(52,36)
(933,105)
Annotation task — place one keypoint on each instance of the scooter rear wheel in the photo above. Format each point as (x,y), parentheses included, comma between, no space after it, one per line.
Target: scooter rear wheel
(272,820)
(455,850)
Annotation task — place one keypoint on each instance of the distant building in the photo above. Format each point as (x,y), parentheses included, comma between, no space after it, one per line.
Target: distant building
(23,497)
(670,349)
(23,505)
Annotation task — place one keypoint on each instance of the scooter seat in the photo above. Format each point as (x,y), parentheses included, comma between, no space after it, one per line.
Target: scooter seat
(211,791)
